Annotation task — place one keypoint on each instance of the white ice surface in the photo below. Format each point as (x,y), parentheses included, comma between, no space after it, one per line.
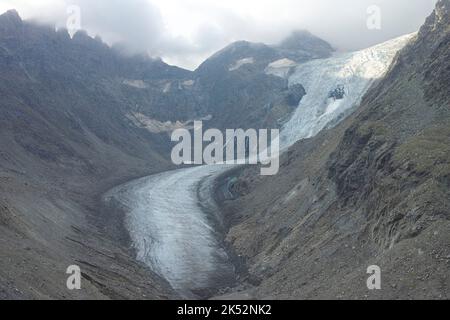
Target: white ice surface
(354,71)
(240,63)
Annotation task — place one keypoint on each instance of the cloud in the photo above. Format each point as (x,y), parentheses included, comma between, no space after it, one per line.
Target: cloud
(185,32)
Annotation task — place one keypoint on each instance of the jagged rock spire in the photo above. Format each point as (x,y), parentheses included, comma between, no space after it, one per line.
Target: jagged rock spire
(10,21)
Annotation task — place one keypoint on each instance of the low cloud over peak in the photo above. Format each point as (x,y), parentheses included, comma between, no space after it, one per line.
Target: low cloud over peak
(185,32)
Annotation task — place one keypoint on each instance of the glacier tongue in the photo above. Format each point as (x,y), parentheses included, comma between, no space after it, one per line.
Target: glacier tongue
(166,217)
(354,72)
(170,229)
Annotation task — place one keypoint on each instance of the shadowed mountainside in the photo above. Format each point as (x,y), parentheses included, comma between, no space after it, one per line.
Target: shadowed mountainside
(64,140)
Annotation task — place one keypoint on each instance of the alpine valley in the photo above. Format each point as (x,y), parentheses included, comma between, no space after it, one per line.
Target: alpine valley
(87,179)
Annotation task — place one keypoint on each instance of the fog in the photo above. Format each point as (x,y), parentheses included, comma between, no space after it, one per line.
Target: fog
(185,32)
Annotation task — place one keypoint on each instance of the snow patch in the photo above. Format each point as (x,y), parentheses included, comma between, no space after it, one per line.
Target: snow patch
(240,63)
(155,126)
(280,68)
(140,84)
(188,83)
(167,87)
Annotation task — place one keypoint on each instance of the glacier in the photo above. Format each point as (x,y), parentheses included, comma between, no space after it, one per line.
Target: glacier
(355,72)
(172,219)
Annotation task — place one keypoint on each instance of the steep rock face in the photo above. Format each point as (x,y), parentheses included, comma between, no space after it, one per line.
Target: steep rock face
(398,144)
(11,24)
(373,190)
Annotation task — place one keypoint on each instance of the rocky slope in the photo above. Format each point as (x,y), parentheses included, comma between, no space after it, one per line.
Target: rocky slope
(372,191)
(64,139)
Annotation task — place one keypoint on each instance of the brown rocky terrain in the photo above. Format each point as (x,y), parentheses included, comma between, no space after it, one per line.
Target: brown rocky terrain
(374,190)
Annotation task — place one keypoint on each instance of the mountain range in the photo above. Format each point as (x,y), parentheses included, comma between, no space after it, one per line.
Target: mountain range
(78,118)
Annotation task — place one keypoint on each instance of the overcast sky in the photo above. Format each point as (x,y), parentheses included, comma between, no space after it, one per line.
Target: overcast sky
(185,32)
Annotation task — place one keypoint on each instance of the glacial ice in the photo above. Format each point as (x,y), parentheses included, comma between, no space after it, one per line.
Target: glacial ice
(354,71)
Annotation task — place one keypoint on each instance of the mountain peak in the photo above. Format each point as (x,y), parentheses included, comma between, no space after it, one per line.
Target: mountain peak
(11,16)
(436,27)
(442,12)
(295,37)
(303,40)
(9,21)
(443,7)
